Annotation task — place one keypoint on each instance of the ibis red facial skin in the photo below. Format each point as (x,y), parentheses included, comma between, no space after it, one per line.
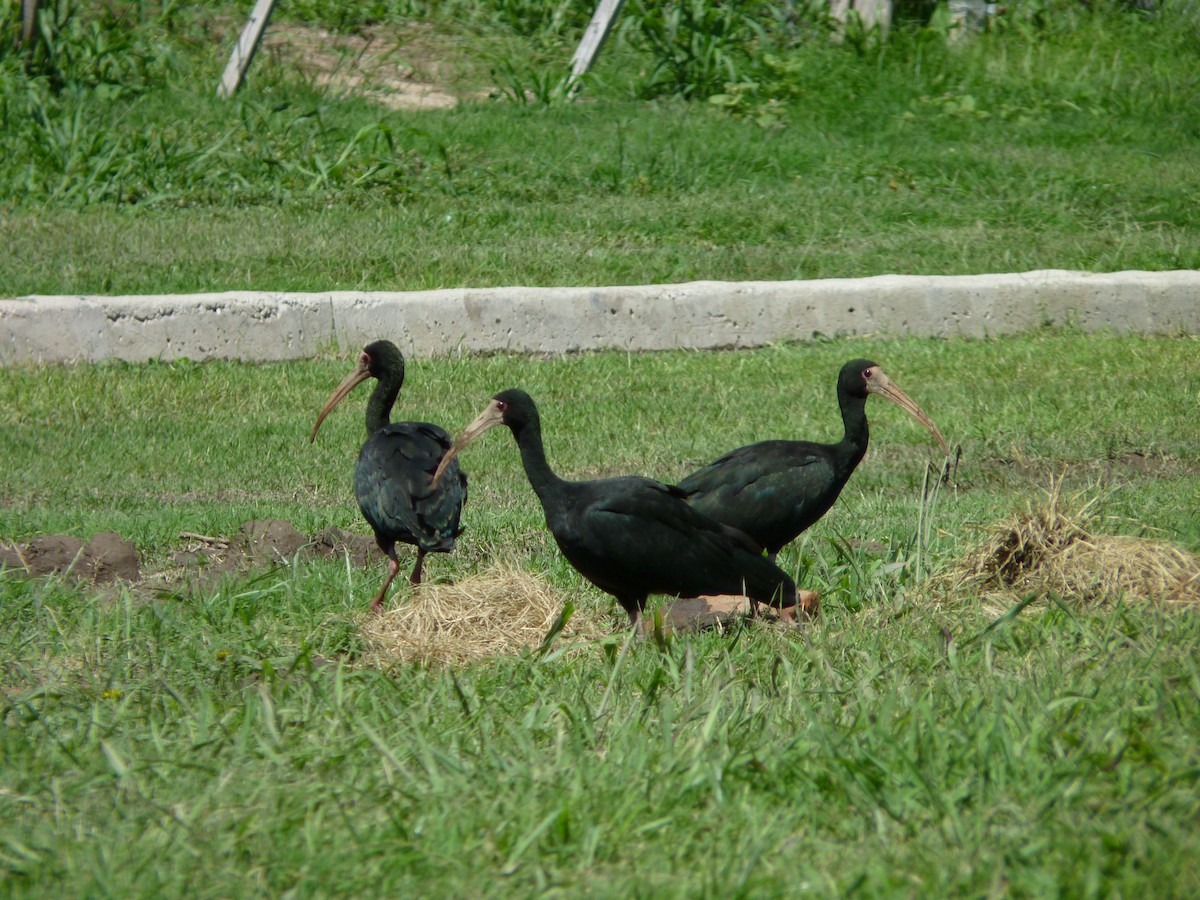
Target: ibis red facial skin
(632,536)
(774,490)
(393,479)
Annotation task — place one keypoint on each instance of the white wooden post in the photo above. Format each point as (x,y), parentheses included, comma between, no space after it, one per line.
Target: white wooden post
(243,51)
(871,12)
(593,39)
(29,10)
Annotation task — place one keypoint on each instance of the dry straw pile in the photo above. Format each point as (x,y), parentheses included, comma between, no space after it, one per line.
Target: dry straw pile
(1053,550)
(495,613)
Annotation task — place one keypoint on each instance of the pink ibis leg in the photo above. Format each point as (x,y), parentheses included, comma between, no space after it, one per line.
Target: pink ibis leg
(393,568)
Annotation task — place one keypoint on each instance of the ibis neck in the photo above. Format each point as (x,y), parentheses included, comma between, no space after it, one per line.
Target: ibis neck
(379,407)
(533,458)
(854,442)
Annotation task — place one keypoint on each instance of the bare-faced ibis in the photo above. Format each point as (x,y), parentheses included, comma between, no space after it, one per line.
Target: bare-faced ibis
(632,536)
(774,490)
(393,479)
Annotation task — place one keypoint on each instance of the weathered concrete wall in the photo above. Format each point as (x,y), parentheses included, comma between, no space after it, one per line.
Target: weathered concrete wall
(266,326)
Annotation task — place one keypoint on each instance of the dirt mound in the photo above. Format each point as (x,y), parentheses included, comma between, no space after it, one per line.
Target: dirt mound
(337,542)
(269,541)
(107,557)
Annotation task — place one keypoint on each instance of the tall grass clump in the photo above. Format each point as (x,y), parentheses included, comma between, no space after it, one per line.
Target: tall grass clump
(1036,60)
(90,113)
(530,18)
(728,141)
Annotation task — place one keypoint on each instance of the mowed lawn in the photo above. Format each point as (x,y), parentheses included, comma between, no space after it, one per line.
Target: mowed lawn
(232,736)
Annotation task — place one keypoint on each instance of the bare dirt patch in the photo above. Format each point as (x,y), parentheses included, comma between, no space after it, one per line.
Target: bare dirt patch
(500,611)
(401,68)
(1134,464)
(106,558)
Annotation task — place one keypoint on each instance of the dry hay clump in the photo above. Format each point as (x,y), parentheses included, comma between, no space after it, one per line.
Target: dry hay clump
(495,613)
(1053,550)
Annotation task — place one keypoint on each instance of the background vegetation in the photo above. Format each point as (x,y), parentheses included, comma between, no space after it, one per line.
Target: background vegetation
(726,141)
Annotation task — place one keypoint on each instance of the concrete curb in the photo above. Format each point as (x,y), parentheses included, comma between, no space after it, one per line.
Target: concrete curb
(701,315)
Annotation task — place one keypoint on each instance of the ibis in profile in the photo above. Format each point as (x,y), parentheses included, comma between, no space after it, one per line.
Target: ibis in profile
(632,536)
(774,490)
(393,479)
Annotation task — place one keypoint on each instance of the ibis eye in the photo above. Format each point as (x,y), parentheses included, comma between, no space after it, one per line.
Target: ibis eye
(501,406)
(868,374)
(364,358)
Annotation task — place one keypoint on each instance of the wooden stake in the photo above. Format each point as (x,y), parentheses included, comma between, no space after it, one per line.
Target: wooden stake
(243,51)
(29,9)
(593,39)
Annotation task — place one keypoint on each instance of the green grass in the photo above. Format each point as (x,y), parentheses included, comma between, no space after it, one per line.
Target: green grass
(1065,144)
(225,740)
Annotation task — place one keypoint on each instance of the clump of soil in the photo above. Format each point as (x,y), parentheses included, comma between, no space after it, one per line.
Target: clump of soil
(106,558)
(1054,549)
(722,611)
(269,541)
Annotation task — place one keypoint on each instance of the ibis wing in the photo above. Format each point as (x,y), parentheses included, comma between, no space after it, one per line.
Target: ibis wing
(643,538)
(770,490)
(393,479)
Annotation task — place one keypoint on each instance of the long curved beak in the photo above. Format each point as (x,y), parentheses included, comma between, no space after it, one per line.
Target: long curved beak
(486,420)
(351,381)
(880,384)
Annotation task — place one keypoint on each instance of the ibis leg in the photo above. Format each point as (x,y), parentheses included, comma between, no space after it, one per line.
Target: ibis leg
(393,569)
(771,554)
(415,577)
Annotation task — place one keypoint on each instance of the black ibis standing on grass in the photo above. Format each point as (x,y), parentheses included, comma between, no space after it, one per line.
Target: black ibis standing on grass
(773,490)
(631,536)
(393,479)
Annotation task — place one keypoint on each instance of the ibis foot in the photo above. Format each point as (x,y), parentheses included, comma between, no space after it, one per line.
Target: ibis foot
(805,609)
(638,621)
(393,568)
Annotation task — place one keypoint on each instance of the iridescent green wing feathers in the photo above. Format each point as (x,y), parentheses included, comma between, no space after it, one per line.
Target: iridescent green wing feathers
(392,483)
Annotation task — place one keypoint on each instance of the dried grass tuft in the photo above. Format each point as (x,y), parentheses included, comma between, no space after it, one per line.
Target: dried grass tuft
(495,613)
(1053,549)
